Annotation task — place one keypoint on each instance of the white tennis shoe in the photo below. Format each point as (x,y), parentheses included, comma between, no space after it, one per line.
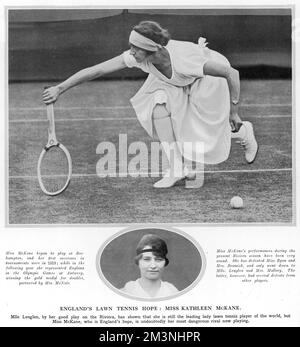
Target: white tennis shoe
(249,143)
(170,179)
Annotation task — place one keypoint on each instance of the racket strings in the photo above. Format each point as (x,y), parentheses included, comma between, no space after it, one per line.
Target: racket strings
(54,169)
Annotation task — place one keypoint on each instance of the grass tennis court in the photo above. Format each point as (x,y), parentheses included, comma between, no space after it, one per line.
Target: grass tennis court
(100,111)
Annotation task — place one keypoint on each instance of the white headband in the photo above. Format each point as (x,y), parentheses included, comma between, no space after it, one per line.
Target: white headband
(143,42)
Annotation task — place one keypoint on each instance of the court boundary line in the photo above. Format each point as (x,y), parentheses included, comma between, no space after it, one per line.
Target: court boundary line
(35,120)
(156,173)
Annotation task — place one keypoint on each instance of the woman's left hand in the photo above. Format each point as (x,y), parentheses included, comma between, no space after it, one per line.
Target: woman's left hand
(235,121)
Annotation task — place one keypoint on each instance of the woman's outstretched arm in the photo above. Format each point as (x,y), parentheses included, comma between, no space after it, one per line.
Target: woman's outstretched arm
(51,94)
(233,79)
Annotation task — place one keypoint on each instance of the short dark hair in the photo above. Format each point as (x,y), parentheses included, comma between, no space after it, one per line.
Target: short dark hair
(158,247)
(153,31)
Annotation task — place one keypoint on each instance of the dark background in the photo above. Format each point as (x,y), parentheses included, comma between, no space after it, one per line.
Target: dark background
(118,266)
(52,44)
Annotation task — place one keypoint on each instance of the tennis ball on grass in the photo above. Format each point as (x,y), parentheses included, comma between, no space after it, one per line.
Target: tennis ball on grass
(236,202)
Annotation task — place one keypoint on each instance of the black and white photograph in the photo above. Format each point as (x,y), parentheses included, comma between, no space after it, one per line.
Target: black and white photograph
(149,167)
(151,264)
(150,115)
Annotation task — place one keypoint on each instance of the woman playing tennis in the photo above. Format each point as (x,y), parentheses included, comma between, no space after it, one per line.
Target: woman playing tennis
(191,95)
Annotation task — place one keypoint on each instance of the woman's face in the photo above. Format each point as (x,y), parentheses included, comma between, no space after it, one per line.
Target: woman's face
(139,54)
(151,266)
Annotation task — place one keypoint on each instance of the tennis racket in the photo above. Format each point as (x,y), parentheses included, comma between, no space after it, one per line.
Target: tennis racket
(54,167)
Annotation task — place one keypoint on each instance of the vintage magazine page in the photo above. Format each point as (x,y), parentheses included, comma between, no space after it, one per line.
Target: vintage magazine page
(171,201)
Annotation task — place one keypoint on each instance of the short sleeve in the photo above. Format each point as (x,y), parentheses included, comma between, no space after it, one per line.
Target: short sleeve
(129,60)
(189,58)
(218,57)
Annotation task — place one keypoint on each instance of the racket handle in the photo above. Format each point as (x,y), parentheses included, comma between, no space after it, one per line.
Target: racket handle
(47,87)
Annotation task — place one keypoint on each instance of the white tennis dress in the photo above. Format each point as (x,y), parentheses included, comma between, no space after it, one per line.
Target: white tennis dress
(199,104)
(134,288)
